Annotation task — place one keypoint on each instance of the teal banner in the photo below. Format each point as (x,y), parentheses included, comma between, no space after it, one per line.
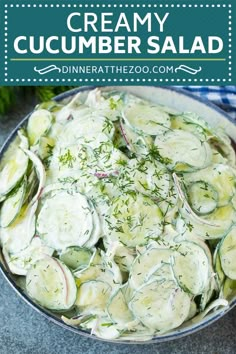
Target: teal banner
(117,42)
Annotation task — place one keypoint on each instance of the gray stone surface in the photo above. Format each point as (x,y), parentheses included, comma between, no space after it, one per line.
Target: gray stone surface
(24,331)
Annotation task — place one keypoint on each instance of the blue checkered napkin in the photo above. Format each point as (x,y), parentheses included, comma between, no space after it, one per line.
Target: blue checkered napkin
(223,96)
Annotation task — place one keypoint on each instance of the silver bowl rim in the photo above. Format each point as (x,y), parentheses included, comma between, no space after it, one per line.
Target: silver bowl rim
(179,333)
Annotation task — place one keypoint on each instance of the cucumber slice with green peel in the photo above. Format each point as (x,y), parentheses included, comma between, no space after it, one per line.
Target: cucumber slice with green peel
(163,273)
(19,263)
(19,234)
(40,171)
(220,276)
(51,284)
(109,105)
(12,205)
(13,171)
(227,253)
(93,296)
(39,124)
(51,106)
(183,151)
(74,210)
(100,269)
(138,143)
(110,265)
(123,256)
(86,126)
(203,197)
(214,225)
(219,176)
(152,179)
(146,264)
(191,268)
(147,118)
(133,219)
(118,309)
(221,143)
(45,147)
(76,258)
(184,122)
(208,293)
(92,272)
(160,306)
(229,289)
(32,186)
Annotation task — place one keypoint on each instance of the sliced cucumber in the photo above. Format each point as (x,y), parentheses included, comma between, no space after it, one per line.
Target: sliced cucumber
(100,268)
(66,160)
(108,159)
(51,106)
(124,257)
(221,177)
(92,297)
(192,123)
(76,258)
(146,264)
(191,267)
(214,225)
(39,124)
(45,147)
(18,236)
(51,284)
(147,118)
(12,205)
(229,289)
(133,219)
(152,179)
(163,273)
(220,276)
(106,105)
(86,126)
(118,308)
(19,263)
(183,151)
(160,306)
(203,197)
(110,264)
(138,143)
(74,210)
(13,171)
(40,171)
(222,144)
(208,293)
(227,252)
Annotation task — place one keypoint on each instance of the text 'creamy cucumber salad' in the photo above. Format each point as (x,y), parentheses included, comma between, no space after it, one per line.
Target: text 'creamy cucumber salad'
(120,214)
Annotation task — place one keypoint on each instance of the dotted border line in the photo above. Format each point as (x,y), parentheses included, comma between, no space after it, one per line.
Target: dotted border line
(119,5)
(6,79)
(230,43)
(116,80)
(6,44)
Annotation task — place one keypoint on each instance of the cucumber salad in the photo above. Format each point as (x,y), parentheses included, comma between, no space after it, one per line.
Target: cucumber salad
(119,214)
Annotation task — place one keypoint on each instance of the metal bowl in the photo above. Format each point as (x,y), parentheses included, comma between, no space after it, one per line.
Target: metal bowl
(177,99)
